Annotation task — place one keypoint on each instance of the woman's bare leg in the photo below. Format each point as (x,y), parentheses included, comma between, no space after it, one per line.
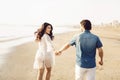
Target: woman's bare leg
(40,74)
(48,74)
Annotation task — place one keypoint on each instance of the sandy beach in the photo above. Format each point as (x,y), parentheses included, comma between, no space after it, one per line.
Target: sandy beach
(19,61)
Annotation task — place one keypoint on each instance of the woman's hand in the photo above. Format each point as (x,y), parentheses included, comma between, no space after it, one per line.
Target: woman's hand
(58,53)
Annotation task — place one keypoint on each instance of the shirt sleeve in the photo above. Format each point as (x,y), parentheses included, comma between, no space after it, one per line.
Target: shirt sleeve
(99,43)
(73,41)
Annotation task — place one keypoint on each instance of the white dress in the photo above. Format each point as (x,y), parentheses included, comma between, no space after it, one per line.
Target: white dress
(45,54)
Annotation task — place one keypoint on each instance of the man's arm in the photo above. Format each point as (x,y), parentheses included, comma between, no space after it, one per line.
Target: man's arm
(100,52)
(65,47)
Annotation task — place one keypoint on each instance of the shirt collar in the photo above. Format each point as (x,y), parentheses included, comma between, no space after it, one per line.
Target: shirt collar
(87,31)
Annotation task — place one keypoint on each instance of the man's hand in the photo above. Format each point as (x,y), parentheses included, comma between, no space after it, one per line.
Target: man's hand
(101,62)
(58,53)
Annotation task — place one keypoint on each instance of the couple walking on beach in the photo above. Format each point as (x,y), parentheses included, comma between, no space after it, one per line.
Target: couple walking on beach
(85,43)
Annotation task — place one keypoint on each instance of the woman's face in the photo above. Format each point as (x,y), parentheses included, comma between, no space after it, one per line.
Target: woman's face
(48,29)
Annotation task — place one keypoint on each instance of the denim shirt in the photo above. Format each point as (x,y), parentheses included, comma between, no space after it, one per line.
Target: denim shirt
(86,44)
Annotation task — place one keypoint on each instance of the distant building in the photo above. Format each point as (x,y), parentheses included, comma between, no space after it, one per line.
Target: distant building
(115,23)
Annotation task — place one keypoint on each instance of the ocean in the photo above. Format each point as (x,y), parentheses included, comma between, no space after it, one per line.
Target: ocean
(13,35)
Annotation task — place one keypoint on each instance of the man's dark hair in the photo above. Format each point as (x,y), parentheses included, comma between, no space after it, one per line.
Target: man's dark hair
(86,24)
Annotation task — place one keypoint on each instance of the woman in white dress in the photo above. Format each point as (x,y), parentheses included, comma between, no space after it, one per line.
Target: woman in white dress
(45,54)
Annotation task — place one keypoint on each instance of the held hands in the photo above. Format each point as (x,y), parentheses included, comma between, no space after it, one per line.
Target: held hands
(57,53)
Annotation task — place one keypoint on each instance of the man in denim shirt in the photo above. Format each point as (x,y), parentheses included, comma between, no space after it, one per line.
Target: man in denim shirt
(86,44)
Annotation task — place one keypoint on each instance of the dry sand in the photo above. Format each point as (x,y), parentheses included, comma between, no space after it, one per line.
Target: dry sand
(19,62)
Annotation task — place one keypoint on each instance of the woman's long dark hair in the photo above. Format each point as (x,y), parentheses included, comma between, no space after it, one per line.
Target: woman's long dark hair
(41,31)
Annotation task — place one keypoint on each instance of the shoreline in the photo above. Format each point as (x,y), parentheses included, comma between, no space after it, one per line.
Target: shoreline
(16,55)
(19,61)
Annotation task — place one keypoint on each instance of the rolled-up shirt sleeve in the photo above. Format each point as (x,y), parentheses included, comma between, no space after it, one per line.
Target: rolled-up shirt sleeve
(99,43)
(73,41)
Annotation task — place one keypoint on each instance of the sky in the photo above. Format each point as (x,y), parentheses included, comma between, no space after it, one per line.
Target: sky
(58,12)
